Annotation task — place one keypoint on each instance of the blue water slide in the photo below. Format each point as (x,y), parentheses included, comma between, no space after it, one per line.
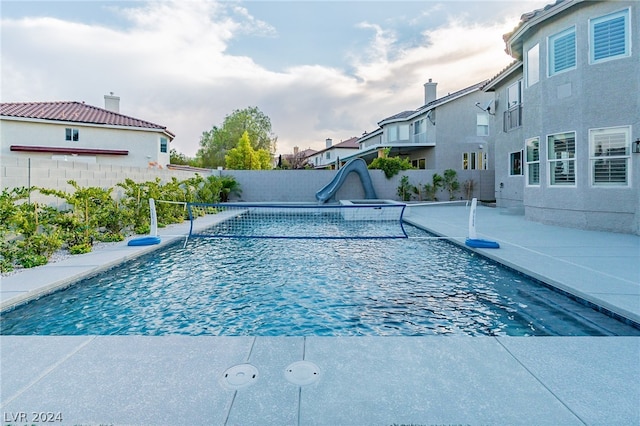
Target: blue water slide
(357,165)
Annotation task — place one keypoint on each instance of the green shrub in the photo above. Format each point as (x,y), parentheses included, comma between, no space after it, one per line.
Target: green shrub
(110,238)
(405,189)
(31,260)
(431,189)
(80,248)
(391,166)
(450,183)
(31,233)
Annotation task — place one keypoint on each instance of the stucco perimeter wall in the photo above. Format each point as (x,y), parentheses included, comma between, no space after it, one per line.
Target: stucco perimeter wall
(18,172)
(256,186)
(302,185)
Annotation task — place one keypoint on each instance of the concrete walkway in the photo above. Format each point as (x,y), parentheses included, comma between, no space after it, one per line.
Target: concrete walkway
(347,380)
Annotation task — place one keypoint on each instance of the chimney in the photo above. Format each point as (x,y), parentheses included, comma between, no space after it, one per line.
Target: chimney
(430,92)
(112,103)
(328,143)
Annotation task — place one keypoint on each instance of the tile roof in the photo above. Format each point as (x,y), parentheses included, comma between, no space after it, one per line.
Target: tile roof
(530,18)
(349,143)
(76,112)
(398,116)
(513,66)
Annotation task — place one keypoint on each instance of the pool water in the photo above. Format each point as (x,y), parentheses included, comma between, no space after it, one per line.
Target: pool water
(265,287)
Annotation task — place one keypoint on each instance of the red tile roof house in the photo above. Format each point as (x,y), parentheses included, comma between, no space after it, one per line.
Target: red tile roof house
(75,131)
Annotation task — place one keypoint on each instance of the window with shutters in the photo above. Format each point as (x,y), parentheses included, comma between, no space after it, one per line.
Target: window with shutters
(561,158)
(609,37)
(562,51)
(532,161)
(609,155)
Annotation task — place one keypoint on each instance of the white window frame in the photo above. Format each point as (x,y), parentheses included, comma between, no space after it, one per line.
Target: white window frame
(475,160)
(397,132)
(597,156)
(551,49)
(420,131)
(533,65)
(164,141)
(403,132)
(626,13)
(482,124)
(531,162)
(512,163)
(514,89)
(561,162)
(419,163)
(71,134)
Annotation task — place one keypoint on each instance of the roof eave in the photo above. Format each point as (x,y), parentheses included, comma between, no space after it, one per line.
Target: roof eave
(163,130)
(515,39)
(503,76)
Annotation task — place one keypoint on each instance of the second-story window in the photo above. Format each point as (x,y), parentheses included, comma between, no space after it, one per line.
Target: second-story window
(609,36)
(533,65)
(71,134)
(164,145)
(482,124)
(397,132)
(562,51)
(419,131)
(513,114)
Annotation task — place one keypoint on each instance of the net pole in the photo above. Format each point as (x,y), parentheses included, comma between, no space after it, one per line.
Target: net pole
(153,231)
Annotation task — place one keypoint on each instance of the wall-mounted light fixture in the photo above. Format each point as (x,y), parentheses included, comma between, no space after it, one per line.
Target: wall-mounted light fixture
(635,146)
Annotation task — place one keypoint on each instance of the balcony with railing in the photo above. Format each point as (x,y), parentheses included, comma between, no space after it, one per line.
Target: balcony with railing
(420,138)
(512,118)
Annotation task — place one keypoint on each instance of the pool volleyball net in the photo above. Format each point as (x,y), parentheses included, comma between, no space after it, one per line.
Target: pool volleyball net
(312,221)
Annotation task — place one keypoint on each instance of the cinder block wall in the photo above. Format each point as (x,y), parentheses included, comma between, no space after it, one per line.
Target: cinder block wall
(256,186)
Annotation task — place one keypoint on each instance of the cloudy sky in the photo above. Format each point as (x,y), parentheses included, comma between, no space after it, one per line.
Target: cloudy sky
(318,69)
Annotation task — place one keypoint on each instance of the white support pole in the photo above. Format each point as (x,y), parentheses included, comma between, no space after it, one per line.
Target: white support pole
(472,219)
(153,231)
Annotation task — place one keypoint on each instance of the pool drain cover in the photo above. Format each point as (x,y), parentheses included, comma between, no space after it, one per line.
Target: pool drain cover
(302,373)
(239,376)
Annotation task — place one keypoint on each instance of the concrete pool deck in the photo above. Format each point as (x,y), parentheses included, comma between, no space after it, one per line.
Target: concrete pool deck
(358,380)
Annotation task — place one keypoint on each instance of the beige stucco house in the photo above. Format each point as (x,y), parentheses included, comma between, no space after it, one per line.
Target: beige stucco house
(75,131)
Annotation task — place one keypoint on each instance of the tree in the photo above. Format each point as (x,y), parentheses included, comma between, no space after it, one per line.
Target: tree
(244,157)
(431,189)
(450,183)
(216,143)
(181,159)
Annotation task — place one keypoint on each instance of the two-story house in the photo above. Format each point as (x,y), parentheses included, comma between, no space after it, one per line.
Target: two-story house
(508,137)
(75,131)
(450,132)
(332,155)
(569,113)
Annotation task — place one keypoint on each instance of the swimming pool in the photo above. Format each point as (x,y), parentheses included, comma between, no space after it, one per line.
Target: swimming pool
(310,287)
